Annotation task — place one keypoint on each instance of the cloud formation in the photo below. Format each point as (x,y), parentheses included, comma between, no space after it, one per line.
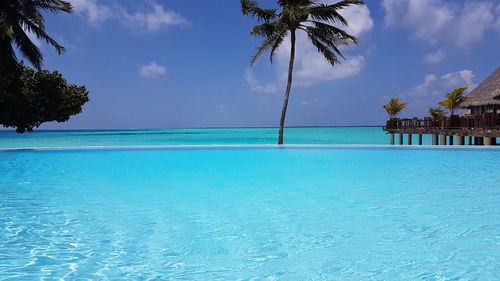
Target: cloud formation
(438,21)
(153,19)
(256,86)
(434,85)
(436,57)
(152,70)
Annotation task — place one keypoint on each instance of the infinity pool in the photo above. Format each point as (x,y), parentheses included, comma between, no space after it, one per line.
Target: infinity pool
(250,214)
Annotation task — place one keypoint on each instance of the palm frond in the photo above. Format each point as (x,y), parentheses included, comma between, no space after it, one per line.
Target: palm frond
(303,3)
(250,7)
(277,44)
(52,5)
(21,16)
(41,34)
(330,13)
(270,43)
(330,56)
(346,3)
(267,29)
(331,31)
(27,48)
(7,55)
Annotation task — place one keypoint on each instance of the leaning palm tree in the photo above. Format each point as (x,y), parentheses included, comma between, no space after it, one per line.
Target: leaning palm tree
(315,19)
(17,17)
(394,107)
(454,99)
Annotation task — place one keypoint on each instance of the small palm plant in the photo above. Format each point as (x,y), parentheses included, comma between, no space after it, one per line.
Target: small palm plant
(394,107)
(437,112)
(454,99)
(17,17)
(313,18)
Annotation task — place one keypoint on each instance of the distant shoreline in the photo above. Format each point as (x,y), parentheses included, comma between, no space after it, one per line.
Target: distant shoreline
(193,128)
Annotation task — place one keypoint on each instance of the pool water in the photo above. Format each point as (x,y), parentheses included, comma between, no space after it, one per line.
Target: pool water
(250,214)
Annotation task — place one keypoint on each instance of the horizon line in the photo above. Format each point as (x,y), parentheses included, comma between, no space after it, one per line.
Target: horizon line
(173,128)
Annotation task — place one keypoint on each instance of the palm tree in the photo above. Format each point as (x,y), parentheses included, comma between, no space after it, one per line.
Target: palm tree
(394,107)
(313,18)
(17,17)
(437,112)
(454,99)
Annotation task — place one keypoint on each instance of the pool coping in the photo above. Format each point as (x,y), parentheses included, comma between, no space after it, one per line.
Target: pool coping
(207,146)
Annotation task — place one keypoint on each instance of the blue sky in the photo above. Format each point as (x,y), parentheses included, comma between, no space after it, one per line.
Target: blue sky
(171,63)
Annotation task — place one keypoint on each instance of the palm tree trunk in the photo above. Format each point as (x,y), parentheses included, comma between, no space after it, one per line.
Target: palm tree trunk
(288,87)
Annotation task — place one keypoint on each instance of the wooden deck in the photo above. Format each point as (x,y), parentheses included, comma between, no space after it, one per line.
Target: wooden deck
(475,126)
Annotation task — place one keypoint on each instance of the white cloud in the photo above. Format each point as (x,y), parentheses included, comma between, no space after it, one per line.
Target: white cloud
(439,86)
(152,70)
(153,20)
(359,19)
(476,18)
(313,68)
(310,66)
(497,24)
(312,103)
(436,57)
(95,13)
(435,21)
(256,86)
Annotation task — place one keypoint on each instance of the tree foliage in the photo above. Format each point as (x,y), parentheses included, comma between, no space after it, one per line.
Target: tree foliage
(394,107)
(454,99)
(17,18)
(437,112)
(29,98)
(319,21)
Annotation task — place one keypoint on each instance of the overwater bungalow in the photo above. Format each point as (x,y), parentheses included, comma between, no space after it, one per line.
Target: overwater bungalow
(485,98)
(480,121)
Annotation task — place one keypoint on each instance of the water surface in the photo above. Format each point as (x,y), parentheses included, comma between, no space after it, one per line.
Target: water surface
(250,214)
(223,136)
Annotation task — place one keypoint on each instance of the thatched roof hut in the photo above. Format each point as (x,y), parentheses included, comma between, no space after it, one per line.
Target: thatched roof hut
(487,93)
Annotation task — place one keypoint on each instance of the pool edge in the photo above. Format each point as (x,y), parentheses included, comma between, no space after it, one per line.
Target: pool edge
(251,146)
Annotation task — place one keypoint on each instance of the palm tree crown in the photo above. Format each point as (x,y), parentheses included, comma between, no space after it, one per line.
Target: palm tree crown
(17,17)
(454,99)
(437,112)
(394,107)
(314,18)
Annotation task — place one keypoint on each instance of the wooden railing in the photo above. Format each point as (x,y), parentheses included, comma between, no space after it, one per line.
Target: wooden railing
(485,121)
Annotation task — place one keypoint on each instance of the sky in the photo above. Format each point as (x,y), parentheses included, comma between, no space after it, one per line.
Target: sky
(172,63)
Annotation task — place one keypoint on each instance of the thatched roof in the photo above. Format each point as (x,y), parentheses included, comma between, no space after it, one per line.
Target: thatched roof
(487,93)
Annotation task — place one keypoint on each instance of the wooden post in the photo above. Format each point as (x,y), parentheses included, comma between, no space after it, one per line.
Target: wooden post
(435,139)
(409,139)
(420,139)
(443,140)
(451,140)
(392,138)
(487,141)
(460,140)
(401,139)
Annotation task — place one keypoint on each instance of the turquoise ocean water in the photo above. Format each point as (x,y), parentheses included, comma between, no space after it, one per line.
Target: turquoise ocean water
(241,213)
(323,135)
(250,214)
